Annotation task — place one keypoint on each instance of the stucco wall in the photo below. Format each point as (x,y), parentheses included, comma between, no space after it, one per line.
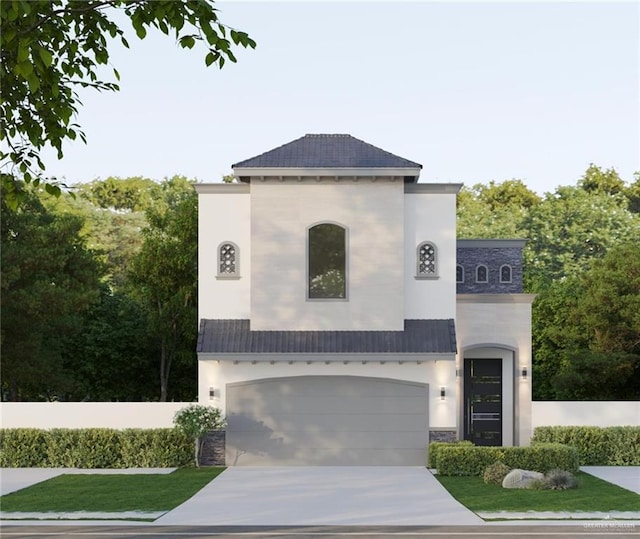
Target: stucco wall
(372,213)
(594,413)
(435,373)
(223,217)
(430,217)
(77,415)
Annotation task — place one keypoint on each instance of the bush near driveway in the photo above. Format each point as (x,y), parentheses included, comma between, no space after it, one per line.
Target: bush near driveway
(473,460)
(597,446)
(94,448)
(432,460)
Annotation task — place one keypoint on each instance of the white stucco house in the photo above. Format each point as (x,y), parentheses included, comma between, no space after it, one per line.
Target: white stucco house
(342,322)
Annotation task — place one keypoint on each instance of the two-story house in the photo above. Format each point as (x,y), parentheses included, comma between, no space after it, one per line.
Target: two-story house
(342,323)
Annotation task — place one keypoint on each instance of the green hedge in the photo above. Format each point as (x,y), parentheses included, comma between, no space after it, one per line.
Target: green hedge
(597,446)
(94,448)
(432,456)
(472,460)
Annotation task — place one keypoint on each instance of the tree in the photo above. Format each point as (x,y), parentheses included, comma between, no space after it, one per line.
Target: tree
(596,180)
(570,228)
(164,276)
(196,420)
(50,47)
(49,279)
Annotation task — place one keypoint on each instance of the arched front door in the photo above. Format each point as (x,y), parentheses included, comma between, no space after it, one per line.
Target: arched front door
(483,401)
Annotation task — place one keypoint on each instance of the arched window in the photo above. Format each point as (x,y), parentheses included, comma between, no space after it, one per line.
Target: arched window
(459,274)
(327,274)
(482,274)
(505,273)
(427,260)
(228,260)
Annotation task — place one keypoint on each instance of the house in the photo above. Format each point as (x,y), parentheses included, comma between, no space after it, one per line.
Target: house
(342,323)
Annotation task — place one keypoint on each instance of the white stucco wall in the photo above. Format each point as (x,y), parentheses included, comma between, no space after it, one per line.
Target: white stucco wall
(84,415)
(372,213)
(441,373)
(585,413)
(430,217)
(499,325)
(223,217)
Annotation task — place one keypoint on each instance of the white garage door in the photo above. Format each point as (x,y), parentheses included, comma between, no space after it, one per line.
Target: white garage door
(327,420)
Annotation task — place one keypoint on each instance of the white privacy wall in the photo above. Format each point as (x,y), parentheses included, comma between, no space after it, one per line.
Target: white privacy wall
(371,212)
(84,415)
(587,413)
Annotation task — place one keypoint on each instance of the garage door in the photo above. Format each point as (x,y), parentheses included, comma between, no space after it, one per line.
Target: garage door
(327,420)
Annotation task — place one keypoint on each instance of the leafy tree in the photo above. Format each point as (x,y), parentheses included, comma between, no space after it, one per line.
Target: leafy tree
(164,276)
(49,279)
(570,228)
(632,193)
(596,180)
(195,421)
(50,47)
(120,194)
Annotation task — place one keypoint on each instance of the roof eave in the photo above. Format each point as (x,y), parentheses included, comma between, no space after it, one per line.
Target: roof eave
(331,172)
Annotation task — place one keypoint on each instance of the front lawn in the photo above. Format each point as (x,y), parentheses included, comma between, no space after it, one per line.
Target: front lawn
(110,493)
(592,494)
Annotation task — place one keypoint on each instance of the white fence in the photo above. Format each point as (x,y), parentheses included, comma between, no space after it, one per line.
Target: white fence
(587,413)
(123,415)
(78,415)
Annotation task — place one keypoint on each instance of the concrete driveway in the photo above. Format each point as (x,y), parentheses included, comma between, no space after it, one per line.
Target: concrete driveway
(324,495)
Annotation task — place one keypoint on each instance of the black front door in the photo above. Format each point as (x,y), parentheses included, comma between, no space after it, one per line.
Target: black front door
(483,401)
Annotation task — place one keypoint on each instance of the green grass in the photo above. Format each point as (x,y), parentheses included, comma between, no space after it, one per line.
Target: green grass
(110,493)
(592,494)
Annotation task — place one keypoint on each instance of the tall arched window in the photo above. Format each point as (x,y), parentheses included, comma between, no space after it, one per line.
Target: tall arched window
(482,274)
(228,260)
(427,260)
(459,274)
(327,277)
(505,273)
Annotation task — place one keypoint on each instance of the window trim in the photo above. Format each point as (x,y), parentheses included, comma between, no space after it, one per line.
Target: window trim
(236,273)
(459,266)
(486,268)
(427,276)
(510,273)
(346,261)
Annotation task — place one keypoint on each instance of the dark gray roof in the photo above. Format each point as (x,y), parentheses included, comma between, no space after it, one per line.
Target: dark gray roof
(236,337)
(327,151)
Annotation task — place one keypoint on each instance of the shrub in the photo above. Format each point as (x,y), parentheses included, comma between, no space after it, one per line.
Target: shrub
(94,448)
(196,420)
(597,446)
(559,480)
(473,460)
(495,473)
(432,460)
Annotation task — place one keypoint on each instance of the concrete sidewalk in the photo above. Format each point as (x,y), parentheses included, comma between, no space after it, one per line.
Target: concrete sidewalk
(327,495)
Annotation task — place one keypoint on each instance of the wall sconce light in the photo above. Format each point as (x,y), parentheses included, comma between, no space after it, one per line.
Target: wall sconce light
(442,393)
(458,373)
(212,393)
(524,373)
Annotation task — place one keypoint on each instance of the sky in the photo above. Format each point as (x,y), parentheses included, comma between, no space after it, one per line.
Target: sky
(473,91)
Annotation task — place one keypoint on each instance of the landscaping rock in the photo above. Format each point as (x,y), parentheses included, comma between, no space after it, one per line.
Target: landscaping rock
(521,478)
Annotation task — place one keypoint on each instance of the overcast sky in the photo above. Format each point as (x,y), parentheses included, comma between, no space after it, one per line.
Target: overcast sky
(472,91)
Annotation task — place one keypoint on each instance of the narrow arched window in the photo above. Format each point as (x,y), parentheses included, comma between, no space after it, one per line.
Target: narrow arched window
(459,274)
(505,273)
(327,275)
(228,259)
(427,260)
(482,274)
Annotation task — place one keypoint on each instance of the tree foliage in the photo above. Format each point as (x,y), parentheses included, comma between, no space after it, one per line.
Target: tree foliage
(48,48)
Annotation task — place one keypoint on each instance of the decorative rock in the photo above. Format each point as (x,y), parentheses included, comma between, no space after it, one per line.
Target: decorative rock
(521,478)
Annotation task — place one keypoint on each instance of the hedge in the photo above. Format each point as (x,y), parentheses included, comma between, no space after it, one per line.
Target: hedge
(597,446)
(456,459)
(432,456)
(94,448)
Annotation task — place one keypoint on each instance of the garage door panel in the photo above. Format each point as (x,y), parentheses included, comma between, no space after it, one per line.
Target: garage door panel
(329,420)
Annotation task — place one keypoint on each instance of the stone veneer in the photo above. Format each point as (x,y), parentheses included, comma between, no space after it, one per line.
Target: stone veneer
(213,449)
(443,436)
(493,254)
